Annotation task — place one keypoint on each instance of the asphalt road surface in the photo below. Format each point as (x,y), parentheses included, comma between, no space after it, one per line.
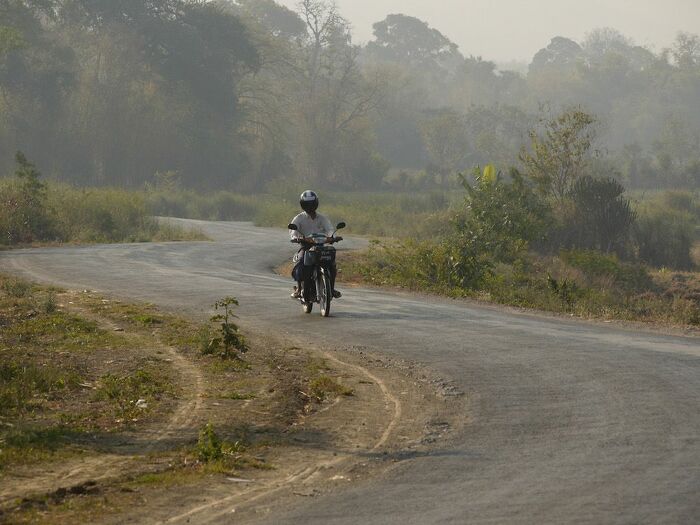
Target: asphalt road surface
(569,422)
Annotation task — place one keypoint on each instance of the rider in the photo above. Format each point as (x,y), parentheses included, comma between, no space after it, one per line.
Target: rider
(308,223)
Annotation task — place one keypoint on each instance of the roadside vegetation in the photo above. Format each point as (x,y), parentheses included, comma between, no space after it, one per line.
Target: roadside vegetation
(33,211)
(555,237)
(381,214)
(86,383)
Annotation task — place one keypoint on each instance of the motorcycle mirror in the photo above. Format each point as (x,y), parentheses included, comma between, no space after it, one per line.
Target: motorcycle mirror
(340,226)
(292,227)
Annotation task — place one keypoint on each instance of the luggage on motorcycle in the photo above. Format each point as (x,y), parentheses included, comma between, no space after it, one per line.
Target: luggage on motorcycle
(319,255)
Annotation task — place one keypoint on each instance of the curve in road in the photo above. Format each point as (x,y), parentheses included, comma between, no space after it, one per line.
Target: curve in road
(569,421)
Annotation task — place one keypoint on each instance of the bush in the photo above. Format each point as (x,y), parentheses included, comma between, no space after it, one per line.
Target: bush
(23,210)
(230,339)
(598,266)
(664,237)
(32,211)
(99,215)
(603,217)
(443,266)
(501,218)
(209,445)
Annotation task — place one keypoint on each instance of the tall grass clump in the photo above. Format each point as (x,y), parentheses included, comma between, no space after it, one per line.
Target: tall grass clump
(37,211)
(668,226)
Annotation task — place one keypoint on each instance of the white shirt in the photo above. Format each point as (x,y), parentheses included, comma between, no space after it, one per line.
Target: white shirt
(308,226)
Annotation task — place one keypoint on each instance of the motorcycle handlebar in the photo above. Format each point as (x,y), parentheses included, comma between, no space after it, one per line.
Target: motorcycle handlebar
(307,241)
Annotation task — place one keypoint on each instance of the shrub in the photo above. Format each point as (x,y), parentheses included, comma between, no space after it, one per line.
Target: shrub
(211,448)
(23,210)
(603,217)
(664,237)
(209,445)
(501,218)
(597,265)
(443,266)
(230,339)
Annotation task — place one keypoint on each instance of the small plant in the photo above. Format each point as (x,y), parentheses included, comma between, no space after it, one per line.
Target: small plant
(49,305)
(16,288)
(211,448)
(209,445)
(323,386)
(565,289)
(123,392)
(231,340)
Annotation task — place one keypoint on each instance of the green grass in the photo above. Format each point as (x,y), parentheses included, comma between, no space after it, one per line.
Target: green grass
(31,444)
(56,379)
(25,385)
(83,215)
(383,214)
(585,284)
(148,383)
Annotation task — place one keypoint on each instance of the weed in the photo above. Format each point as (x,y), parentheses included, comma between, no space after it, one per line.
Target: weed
(49,305)
(230,341)
(123,392)
(238,396)
(323,386)
(24,384)
(30,444)
(17,288)
(211,448)
(147,319)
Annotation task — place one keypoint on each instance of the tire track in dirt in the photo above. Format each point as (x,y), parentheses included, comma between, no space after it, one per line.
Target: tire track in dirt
(211,511)
(180,424)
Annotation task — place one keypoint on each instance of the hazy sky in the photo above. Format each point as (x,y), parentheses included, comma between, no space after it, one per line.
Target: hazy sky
(504,30)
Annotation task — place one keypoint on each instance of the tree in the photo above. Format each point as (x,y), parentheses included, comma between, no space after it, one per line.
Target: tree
(561,54)
(24,215)
(558,157)
(279,21)
(445,138)
(334,96)
(408,40)
(502,217)
(686,50)
(603,217)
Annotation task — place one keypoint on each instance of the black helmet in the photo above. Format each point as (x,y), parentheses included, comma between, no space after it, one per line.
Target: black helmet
(309,201)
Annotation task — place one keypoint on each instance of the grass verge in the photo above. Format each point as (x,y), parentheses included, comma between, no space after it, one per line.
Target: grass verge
(579,283)
(85,378)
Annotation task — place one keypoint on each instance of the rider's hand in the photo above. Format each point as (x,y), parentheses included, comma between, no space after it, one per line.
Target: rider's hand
(330,240)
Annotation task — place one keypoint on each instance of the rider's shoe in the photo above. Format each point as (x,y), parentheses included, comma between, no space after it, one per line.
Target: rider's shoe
(296,294)
(337,294)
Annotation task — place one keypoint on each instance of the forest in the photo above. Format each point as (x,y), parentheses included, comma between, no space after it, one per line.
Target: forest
(570,185)
(246,95)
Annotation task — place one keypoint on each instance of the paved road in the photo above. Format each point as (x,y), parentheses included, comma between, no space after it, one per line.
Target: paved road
(570,422)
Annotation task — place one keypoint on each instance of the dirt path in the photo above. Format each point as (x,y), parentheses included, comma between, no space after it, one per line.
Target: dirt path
(344,439)
(307,476)
(181,424)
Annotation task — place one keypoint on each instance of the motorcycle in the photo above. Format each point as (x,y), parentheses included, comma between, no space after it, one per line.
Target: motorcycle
(319,257)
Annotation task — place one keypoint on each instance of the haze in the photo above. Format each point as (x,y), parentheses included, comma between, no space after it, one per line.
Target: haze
(505,30)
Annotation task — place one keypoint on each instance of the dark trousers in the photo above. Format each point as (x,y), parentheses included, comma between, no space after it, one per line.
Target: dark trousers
(302,273)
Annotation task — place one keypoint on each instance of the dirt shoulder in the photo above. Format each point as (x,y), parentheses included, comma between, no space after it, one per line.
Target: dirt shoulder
(134,420)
